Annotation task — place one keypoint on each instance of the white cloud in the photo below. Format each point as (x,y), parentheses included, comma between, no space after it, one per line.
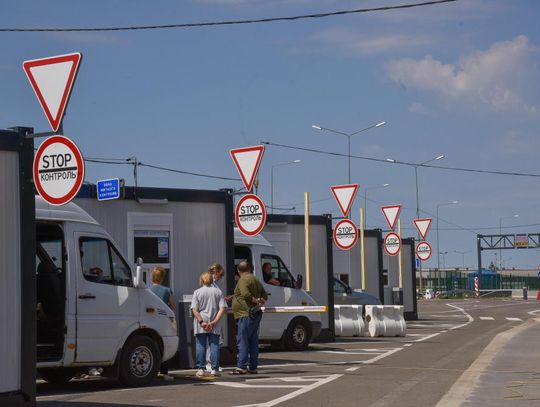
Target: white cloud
(353,43)
(419,108)
(496,78)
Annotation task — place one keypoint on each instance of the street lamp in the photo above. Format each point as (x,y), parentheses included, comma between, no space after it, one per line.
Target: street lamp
(500,233)
(463,256)
(348,135)
(444,258)
(365,198)
(438,249)
(272,181)
(416,165)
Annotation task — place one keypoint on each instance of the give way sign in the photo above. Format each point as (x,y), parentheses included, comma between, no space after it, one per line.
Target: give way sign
(58,170)
(52,79)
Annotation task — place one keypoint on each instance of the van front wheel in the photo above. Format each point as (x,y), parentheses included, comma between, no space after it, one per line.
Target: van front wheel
(298,335)
(140,361)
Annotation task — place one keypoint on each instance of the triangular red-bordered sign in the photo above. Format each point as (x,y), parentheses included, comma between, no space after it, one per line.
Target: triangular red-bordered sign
(344,195)
(391,213)
(423,226)
(247,161)
(52,80)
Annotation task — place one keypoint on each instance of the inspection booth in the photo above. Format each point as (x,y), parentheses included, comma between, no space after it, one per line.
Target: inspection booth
(408,269)
(348,264)
(181,230)
(287,234)
(18,270)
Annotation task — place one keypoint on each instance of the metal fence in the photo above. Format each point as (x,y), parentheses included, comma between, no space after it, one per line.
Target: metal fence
(455,280)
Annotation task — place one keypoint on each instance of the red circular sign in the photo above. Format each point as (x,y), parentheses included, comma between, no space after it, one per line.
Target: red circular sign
(58,170)
(423,251)
(250,215)
(392,244)
(345,234)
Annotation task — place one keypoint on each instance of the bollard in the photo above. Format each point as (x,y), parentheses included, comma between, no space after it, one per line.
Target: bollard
(525,294)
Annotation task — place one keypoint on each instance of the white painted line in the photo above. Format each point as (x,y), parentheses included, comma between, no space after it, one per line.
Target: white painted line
(443,332)
(294,394)
(533,312)
(352,369)
(408,344)
(337,352)
(471,319)
(513,319)
(486,318)
(434,326)
(428,337)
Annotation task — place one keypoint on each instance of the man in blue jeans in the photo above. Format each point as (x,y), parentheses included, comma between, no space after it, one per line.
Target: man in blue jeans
(248,293)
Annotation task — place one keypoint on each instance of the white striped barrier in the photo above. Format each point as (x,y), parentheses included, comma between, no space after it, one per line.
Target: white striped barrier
(385,320)
(348,320)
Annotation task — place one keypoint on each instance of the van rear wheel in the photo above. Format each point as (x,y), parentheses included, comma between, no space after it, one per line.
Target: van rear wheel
(140,361)
(298,335)
(57,375)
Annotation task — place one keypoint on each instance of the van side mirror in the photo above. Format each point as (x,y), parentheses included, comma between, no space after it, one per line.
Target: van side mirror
(139,282)
(299,281)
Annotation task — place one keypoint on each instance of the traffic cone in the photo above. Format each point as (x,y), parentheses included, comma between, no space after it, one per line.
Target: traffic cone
(538,295)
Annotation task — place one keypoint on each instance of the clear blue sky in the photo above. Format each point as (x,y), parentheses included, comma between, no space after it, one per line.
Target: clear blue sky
(459,79)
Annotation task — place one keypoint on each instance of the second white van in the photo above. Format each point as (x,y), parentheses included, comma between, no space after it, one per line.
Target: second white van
(292,330)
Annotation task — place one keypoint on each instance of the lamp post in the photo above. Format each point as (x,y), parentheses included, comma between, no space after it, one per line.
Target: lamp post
(416,165)
(462,256)
(438,249)
(348,135)
(500,233)
(272,181)
(365,198)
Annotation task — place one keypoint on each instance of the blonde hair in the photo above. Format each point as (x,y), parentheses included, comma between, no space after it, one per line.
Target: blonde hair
(158,275)
(206,279)
(216,269)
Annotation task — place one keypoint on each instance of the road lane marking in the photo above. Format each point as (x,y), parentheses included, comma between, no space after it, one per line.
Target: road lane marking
(471,319)
(513,319)
(486,318)
(301,389)
(427,337)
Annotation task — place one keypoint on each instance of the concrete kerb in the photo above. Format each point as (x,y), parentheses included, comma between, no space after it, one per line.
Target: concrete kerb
(462,388)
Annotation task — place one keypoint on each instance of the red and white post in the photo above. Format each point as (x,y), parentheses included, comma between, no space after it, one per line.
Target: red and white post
(476,287)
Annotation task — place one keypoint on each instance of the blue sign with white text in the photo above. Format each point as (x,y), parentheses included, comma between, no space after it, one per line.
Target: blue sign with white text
(108,189)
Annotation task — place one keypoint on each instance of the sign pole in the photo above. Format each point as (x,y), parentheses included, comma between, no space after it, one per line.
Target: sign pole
(307,240)
(399,258)
(363,257)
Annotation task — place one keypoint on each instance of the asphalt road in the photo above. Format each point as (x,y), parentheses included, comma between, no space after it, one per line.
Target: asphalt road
(440,349)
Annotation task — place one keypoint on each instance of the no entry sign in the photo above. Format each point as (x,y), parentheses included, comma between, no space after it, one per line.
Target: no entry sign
(423,250)
(58,170)
(345,234)
(392,244)
(250,215)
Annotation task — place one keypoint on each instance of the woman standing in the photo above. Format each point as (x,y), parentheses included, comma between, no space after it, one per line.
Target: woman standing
(208,306)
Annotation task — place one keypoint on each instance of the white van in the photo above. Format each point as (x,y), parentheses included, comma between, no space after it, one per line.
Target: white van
(91,310)
(293,330)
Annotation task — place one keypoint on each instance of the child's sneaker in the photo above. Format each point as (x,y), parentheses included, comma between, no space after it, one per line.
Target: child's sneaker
(200,373)
(215,373)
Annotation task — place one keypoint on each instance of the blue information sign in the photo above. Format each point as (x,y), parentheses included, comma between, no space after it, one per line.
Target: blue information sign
(539,274)
(108,189)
